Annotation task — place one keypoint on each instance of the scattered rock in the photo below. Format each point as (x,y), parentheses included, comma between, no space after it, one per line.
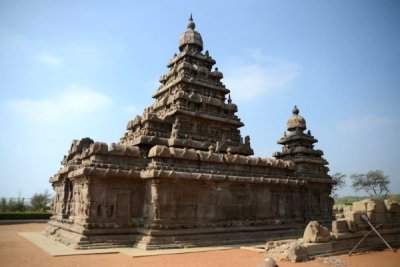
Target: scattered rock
(268,262)
(297,252)
(331,261)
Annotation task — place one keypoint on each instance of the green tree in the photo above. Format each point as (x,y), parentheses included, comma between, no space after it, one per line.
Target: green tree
(39,201)
(17,204)
(375,183)
(3,204)
(340,180)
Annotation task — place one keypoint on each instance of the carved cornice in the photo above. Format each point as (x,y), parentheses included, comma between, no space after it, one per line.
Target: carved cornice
(171,174)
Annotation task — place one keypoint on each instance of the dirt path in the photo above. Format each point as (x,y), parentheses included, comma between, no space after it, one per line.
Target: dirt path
(17,251)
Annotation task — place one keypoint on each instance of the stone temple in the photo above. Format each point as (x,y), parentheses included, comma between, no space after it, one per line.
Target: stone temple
(182,175)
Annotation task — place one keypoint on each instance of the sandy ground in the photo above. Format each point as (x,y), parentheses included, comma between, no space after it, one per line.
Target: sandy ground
(17,251)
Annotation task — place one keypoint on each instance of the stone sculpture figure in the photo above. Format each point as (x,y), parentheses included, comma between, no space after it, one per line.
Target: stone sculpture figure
(316,233)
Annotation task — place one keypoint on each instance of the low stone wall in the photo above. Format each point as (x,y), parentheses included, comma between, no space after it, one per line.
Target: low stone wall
(346,233)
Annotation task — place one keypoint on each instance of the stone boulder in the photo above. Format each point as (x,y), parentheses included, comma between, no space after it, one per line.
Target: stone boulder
(374,208)
(369,205)
(393,211)
(340,226)
(316,233)
(268,262)
(377,210)
(297,252)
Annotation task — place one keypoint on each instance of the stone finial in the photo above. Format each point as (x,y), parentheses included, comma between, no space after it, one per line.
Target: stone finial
(295,111)
(191,25)
(191,38)
(247,140)
(229,99)
(296,122)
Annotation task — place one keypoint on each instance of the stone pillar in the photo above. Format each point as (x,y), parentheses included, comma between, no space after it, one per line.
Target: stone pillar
(155,201)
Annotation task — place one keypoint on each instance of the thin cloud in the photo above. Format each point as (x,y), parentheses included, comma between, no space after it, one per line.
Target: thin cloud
(131,109)
(263,75)
(73,103)
(365,122)
(50,60)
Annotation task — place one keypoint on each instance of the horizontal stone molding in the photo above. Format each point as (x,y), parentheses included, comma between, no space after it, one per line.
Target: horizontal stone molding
(101,172)
(171,174)
(160,151)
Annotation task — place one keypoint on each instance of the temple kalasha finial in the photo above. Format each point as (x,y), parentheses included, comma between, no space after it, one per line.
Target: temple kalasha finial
(191,24)
(229,98)
(295,110)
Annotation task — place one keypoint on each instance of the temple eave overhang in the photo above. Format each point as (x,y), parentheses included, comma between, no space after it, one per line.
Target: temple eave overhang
(170,174)
(301,137)
(104,172)
(317,161)
(227,120)
(183,54)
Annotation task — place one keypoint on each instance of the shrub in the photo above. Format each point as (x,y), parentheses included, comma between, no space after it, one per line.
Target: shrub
(39,202)
(24,215)
(13,205)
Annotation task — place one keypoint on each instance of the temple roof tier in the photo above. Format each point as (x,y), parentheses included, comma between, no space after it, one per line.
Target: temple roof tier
(196,56)
(190,81)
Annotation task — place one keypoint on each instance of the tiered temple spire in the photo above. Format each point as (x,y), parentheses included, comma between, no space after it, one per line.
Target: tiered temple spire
(190,108)
(299,147)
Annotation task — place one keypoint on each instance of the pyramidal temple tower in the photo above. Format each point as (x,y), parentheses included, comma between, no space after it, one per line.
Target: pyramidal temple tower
(193,108)
(182,174)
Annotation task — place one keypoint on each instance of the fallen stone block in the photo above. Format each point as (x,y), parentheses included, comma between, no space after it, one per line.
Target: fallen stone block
(340,226)
(318,248)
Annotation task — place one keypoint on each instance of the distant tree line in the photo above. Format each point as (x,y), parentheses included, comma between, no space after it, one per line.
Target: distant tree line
(38,203)
(375,183)
(348,200)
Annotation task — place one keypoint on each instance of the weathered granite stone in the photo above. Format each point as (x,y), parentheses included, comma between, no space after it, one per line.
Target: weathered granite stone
(297,252)
(346,233)
(340,226)
(314,249)
(268,262)
(183,175)
(378,211)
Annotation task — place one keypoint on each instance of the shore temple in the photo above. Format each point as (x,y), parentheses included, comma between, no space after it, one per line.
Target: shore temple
(182,175)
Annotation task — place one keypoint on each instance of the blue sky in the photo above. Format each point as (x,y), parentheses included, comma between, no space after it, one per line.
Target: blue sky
(74,69)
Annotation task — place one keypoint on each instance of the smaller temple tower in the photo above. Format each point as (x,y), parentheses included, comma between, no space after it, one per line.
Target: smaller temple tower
(299,148)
